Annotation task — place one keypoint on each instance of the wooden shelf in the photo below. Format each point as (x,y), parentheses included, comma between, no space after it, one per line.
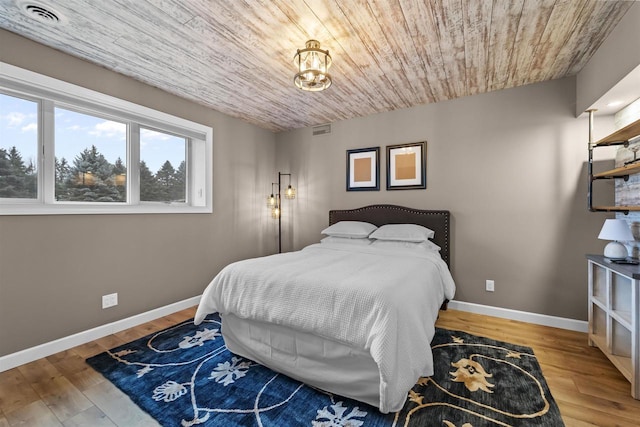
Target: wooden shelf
(618,137)
(617,208)
(625,134)
(623,318)
(619,172)
(623,364)
(599,302)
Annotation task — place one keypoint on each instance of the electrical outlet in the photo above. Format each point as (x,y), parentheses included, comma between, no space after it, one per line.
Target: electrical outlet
(109,300)
(490,286)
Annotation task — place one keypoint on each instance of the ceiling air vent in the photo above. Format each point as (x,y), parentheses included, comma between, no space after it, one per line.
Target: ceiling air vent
(321,130)
(41,12)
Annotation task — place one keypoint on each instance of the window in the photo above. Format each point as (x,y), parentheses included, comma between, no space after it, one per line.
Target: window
(160,180)
(18,148)
(90,158)
(66,149)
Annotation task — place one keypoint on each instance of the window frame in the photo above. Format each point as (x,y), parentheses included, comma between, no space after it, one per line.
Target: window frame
(50,92)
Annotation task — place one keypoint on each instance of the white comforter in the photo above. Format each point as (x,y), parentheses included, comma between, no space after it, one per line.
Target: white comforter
(383,301)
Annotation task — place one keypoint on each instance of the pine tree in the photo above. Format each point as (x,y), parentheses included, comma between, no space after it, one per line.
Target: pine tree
(166,180)
(16,160)
(63,174)
(16,179)
(148,185)
(180,183)
(120,177)
(31,168)
(92,179)
(119,168)
(27,173)
(7,179)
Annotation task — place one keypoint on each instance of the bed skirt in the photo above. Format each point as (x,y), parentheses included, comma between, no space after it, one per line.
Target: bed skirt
(316,361)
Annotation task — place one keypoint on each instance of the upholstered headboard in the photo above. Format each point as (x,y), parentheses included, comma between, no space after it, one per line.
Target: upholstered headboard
(438,221)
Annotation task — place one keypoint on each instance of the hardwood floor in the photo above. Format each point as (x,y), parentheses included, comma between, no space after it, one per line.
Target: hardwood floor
(62,390)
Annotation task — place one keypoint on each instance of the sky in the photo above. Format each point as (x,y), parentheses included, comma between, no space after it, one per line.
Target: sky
(76,131)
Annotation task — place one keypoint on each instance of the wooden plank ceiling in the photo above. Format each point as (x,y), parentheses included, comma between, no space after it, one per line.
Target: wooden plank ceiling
(235,56)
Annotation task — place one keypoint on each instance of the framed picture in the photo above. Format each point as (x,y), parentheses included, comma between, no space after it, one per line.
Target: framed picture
(363,169)
(407,166)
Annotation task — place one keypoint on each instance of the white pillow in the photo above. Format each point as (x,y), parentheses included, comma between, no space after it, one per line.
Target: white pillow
(350,229)
(393,244)
(403,232)
(348,240)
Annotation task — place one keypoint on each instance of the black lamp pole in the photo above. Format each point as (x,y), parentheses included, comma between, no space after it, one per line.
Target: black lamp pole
(280,216)
(280,175)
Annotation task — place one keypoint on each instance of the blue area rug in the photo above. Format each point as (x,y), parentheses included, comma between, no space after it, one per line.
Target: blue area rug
(185,376)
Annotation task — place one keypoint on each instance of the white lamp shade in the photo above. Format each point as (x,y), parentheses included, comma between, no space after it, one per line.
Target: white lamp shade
(616,229)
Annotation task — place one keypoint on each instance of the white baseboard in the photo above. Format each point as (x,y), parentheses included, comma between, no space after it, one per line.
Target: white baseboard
(43,350)
(523,316)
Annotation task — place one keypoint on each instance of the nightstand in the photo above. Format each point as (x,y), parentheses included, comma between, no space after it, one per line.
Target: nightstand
(614,301)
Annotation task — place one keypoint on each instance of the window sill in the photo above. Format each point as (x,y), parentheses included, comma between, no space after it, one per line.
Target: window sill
(37,209)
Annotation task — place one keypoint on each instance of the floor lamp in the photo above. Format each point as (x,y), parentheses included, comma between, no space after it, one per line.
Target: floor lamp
(273,203)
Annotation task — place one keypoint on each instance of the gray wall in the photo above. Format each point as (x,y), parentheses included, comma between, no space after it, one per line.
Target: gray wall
(509,165)
(54,269)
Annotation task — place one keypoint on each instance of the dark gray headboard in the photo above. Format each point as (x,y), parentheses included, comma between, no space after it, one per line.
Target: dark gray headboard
(438,221)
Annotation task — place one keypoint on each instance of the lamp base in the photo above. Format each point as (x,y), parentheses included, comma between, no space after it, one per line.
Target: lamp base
(615,250)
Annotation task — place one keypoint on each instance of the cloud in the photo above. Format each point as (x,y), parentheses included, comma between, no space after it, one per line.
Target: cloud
(109,129)
(14,118)
(152,134)
(30,127)
(148,137)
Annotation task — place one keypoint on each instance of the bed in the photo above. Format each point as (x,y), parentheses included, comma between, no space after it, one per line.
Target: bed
(355,320)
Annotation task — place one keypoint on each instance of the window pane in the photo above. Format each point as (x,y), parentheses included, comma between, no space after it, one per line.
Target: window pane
(91,158)
(18,148)
(163,170)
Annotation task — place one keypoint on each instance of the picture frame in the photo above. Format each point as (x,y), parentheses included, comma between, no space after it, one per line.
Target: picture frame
(363,169)
(407,166)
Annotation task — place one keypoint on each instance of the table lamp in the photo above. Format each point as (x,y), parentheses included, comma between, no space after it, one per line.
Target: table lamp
(616,230)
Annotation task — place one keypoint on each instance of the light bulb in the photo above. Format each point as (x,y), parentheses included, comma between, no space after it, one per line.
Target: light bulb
(290,193)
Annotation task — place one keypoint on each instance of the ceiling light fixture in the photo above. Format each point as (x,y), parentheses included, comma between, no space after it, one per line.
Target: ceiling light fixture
(313,67)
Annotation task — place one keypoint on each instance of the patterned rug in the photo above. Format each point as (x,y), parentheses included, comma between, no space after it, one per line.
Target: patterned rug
(185,376)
